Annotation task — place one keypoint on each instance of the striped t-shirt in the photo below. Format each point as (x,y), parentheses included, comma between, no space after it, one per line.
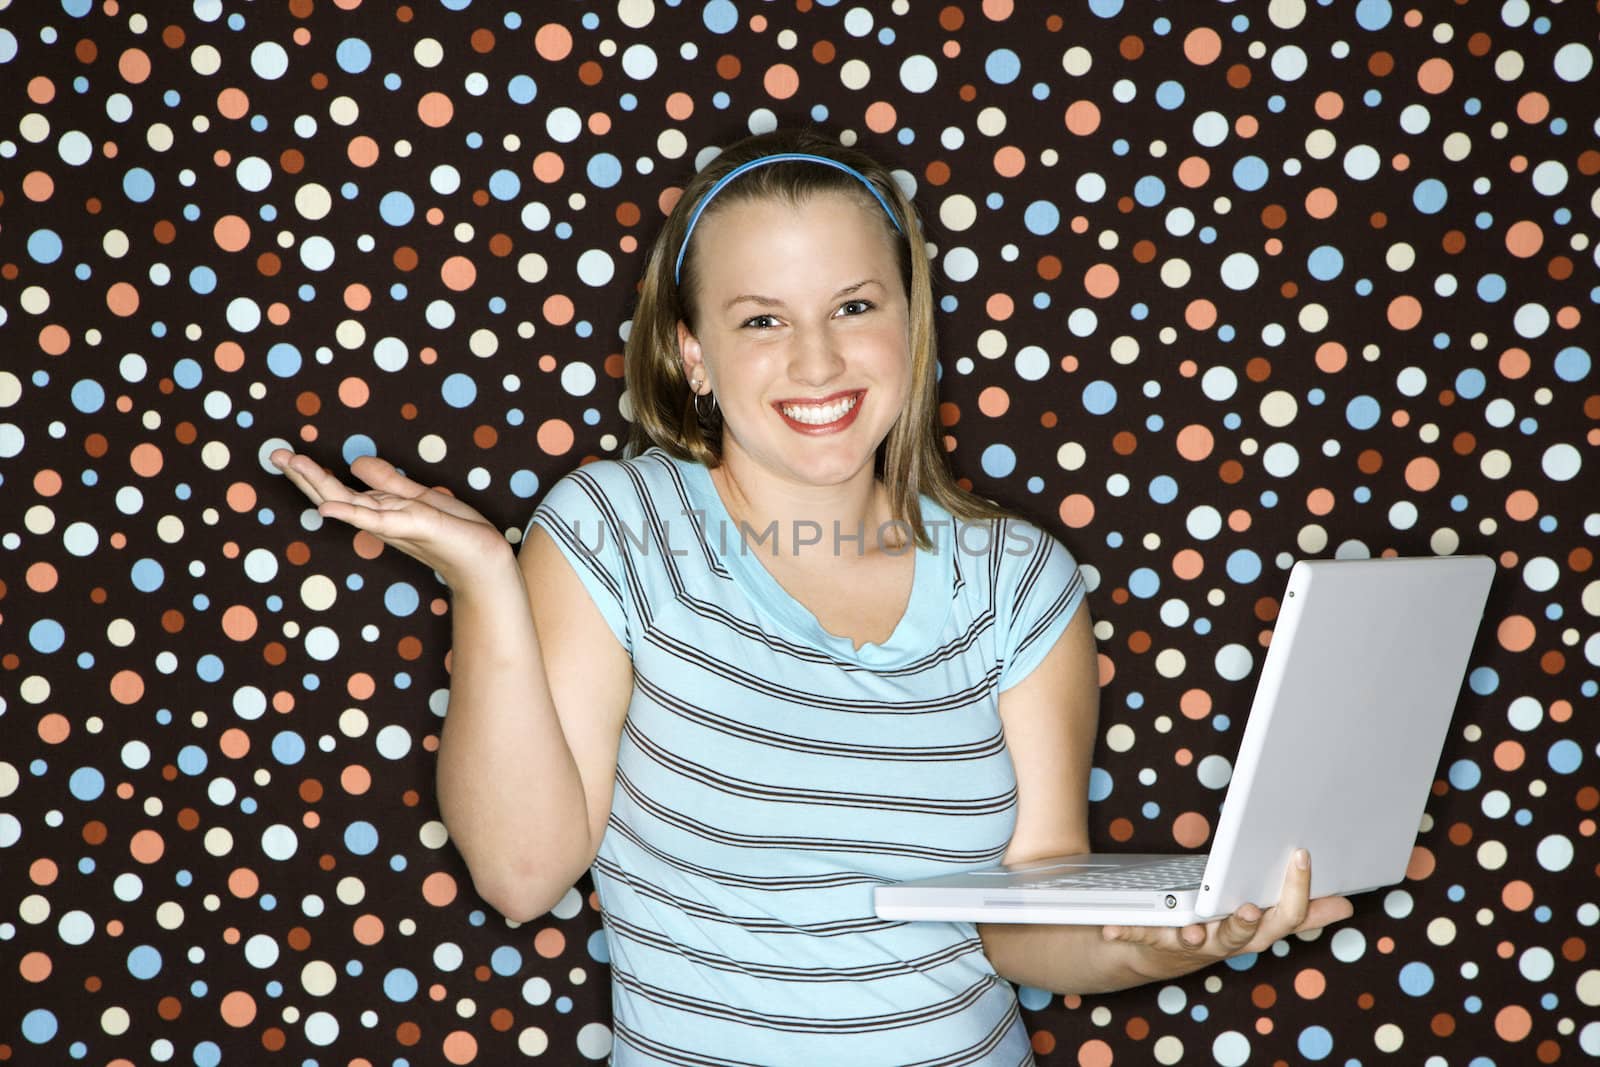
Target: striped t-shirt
(770,774)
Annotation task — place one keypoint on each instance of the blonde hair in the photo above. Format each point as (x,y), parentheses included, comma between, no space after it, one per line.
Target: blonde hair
(663,409)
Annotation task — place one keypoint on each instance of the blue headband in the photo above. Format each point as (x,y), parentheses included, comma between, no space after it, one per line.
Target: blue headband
(779,157)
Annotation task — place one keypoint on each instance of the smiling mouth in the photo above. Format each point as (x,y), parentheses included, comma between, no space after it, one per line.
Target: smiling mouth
(823,414)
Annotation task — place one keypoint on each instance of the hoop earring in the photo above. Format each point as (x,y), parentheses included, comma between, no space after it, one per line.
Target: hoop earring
(705,415)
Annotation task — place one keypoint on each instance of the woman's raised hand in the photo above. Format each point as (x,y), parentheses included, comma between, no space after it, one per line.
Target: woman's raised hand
(427,524)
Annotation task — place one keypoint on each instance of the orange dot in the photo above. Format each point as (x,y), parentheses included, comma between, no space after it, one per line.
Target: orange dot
(1319,501)
(146,460)
(54,728)
(1422,474)
(1522,504)
(1421,863)
(355,779)
(122,299)
(1187,564)
(994,401)
(555,437)
(1202,46)
(1094,1053)
(234,743)
(1195,704)
(881,116)
(362,151)
(146,846)
(1200,314)
(1191,829)
(1331,357)
(1516,633)
(127,687)
(54,340)
(999,306)
(1194,172)
(1524,238)
(368,929)
(1513,1023)
(1533,107)
(1310,984)
(1435,76)
(548,167)
(34,967)
(439,889)
(458,273)
(1083,117)
(680,105)
(435,109)
(233,103)
(243,883)
(1405,312)
(238,1008)
(1509,755)
(1329,106)
(1009,161)
(781,82)
(558,309)
(231,233)
(553,41)
(460,1047)
(1515,363)
(1517,895)
(549,942)
(1077,511)
(134,66)
(239,623)
(1101,280)
(1194,442)
(41,577)
(1321,202)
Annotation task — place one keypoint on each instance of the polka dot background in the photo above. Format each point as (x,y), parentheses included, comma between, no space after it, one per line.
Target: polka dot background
(1221,286)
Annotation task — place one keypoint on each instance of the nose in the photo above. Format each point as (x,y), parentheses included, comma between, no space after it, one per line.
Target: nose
(815,358)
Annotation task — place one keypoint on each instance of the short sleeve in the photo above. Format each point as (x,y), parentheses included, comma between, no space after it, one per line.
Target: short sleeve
(578,515)
(1038,590)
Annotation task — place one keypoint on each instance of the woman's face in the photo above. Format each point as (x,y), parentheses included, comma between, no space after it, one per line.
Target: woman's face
(801,330)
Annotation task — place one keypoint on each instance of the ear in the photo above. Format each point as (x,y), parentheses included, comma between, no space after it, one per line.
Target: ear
(689,352)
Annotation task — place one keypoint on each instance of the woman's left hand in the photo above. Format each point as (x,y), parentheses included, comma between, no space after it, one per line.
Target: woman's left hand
(1169,951)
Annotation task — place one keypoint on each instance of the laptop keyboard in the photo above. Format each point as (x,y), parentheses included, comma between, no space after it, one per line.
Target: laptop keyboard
(1178,872)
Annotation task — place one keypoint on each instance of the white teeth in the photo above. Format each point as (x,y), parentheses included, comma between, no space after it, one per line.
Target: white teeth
(820,414)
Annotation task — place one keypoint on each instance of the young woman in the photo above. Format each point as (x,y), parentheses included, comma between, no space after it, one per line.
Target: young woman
(777,657)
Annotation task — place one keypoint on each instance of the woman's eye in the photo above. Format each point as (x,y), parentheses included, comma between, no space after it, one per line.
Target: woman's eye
(761,322)
(855,307)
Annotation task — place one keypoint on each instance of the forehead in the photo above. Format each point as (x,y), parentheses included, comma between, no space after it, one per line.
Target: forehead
(823,227)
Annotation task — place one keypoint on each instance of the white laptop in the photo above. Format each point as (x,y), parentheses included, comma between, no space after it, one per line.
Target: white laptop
(1338,757)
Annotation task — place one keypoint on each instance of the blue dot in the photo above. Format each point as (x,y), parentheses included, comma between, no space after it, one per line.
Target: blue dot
(1002,66)
(192,760)
(1032,998)
(88,396)
(1144,583)
(1464,775)
(1470,383)
(44,246)
(1099,396)
(203,280)
(1565,756)
(401,599)
(86,783)
(1416,979)
(357,445)
(1149,190)
(1099,784)
(460,390)
(1373,14)
(720,16)
(284,360)
(1041,217)
(1362,412)
(144,962)
(504,184)
(138,185)
(1325,263)
(206,1053)
(1430,196)
(1163,489)
(1491,288)
(47,636)
(522,89)
(605,170)
(1251,173)
(288,747)
(1572,364)
(1169,95)
(999,461)
(598,947)
(1315,1042)
(353,55)
(396,208)
(506,961)
(1105,8)
(147,575)
(39,1026)
(1483,680)
(361,838)
(1244,566)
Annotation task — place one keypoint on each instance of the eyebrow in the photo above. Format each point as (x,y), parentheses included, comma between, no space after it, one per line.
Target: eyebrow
(772,301)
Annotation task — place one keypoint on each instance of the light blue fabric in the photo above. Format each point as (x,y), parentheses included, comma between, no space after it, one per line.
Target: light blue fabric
(770,775)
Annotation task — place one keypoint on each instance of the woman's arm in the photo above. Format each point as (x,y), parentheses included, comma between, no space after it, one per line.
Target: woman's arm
(1050,720)
(539,686)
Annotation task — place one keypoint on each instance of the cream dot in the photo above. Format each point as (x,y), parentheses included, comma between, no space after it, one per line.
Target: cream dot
(218,841)
(1175,273)
(1442,931)
(431,448)
(433,834)
(1077,61)
(115,1020)
(1286,14)
(1313,318)
(35,689)
(1071,456)
(1389,1037)
(991,344)
(635,14)
(1170,663)
(533,1042)
(350,890)
(958,212)
(313,201)
(318,592)
(34,909)
(1120,737)
(353,722)
(1124,350)
(1491,855)
(428,53)
(991,122)
(318,978)
(1321,143)
(1495,464)
(1457,146)
(169,915)
(1588,987)
(1278,408)
(855,74)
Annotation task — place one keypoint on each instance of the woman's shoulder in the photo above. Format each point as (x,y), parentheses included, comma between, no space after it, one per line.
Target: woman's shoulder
(628,482)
